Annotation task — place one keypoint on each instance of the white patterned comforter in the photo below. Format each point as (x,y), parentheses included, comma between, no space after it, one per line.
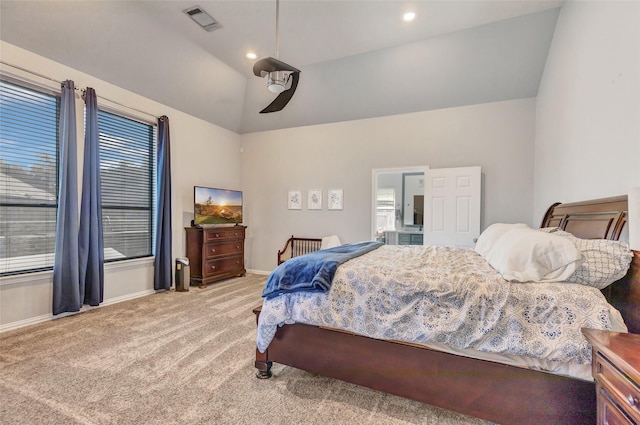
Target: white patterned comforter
(451,296)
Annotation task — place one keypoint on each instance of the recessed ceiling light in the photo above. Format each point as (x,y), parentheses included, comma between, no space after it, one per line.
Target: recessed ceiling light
(409,16)
(251,55)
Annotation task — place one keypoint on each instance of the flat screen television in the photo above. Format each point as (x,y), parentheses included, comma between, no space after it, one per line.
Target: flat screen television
(216,206)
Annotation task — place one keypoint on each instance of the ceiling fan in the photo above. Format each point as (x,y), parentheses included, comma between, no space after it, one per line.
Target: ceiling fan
(279,75)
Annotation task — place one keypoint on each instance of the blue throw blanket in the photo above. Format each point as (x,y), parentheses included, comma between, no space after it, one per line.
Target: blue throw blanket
(313,272)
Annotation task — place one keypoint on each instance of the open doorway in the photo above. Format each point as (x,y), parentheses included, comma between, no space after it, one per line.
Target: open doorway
(393,206)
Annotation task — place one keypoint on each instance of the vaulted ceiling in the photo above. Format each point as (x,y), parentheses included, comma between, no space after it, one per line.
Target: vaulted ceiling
(358,59)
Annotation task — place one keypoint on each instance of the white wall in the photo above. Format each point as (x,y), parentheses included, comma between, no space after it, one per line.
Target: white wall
(497,136)
(202,154)
(588,106)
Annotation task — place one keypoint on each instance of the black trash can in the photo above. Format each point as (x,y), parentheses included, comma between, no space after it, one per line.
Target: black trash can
(183,274)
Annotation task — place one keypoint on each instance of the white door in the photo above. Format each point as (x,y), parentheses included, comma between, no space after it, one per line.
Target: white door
(452,206)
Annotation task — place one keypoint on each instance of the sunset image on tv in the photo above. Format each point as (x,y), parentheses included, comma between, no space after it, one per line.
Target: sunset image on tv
(217,206)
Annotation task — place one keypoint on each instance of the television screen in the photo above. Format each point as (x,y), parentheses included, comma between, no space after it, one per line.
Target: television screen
(217,206)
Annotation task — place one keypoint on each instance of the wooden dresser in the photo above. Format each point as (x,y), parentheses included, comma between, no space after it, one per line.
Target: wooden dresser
(215,253)
(616,370)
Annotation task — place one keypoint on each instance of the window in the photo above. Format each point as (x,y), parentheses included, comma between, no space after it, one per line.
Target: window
(385,209)
(28,178)
(127,173)
(29,164)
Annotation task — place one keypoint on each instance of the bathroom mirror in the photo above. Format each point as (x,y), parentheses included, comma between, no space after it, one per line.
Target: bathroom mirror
(412,199)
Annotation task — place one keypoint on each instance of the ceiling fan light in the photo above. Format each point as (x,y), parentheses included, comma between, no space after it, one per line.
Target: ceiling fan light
(277,81)
(276,88)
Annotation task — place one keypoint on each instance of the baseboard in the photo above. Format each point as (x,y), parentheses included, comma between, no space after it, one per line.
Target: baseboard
(26,322)
(127,297)
(258,272)
(47,317)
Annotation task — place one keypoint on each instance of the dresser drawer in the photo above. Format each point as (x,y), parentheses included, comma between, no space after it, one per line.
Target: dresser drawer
(608,411)
(212,250)
(223,265)
(217,234)
(618,387)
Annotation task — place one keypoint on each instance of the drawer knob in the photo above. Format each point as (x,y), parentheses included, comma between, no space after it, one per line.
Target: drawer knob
(213,267)
(217,235)
(633,401)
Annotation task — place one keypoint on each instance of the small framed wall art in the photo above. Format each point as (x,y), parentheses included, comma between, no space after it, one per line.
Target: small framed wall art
(294,201)
(334,199)
(314,200)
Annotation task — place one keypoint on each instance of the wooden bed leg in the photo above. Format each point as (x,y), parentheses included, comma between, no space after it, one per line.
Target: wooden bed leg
(263,365)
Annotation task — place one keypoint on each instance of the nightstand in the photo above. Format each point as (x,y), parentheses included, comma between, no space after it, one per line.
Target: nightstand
(616,370)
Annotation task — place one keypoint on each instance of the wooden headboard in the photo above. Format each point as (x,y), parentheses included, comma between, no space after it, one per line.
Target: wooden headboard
(603,219)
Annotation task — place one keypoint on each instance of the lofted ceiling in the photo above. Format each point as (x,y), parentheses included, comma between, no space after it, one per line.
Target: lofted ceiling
(358,58)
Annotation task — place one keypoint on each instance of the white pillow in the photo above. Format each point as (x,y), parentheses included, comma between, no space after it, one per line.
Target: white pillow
(491,234)
(330,242)
(527,255)
(603,261)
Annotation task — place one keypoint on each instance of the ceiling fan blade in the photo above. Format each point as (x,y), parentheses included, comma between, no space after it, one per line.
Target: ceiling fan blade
(284,97)
(266,65)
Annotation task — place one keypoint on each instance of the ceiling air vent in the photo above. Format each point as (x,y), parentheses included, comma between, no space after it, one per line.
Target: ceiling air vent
(203,19)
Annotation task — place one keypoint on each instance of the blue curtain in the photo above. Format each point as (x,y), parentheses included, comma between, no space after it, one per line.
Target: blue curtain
(162,264)
(90,242)
(66,287)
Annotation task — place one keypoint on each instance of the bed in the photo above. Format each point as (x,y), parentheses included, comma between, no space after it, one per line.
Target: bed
(486,389)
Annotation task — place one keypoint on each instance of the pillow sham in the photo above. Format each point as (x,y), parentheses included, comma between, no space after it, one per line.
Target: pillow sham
(603,261)
(330,242)
(527,255)
(491,234)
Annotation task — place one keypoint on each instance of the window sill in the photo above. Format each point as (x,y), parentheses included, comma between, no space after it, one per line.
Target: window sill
(128,264)
(33,277)
(47,275)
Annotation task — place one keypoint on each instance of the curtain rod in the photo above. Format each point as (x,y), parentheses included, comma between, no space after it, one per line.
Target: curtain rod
(77,88)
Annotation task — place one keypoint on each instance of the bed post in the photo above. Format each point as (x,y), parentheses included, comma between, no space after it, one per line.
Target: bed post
(263,364)
(624,294)
(547,215)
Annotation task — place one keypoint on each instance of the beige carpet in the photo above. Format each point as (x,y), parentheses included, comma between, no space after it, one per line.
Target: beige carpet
(177,358)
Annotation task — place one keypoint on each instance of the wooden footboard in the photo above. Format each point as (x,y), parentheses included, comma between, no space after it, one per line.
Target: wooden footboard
(487,390)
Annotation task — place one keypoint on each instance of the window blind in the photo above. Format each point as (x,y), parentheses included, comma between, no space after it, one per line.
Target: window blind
(385,209)
(28,178)
(127,169)
(386,199)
